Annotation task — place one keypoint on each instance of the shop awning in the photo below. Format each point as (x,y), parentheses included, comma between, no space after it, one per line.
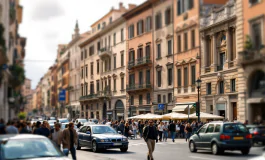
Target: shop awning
(180,107)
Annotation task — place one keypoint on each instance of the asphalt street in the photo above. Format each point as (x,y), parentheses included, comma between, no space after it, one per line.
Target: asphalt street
(165,151)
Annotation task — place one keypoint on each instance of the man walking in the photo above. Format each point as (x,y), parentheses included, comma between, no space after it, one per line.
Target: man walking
(43,130)
(57,135)
(172,129)
(70,140)
(150,137)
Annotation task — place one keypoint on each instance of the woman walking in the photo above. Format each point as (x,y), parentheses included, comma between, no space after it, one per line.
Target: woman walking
(126,129)
(160,130)
(165,132)
(188,131)
(134,128)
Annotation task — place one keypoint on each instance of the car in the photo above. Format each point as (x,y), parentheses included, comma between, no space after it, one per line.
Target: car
(82,121)
(221,136)
(51,123)
(52,118)
(63,120)
(101,137)
(27,146)
(65,125)
(93,120)
(258,133)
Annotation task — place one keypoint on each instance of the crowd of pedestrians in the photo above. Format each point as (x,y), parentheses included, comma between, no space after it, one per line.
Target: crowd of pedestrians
(66,138)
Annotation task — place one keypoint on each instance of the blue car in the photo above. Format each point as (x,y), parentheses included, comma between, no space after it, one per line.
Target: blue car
(101,137)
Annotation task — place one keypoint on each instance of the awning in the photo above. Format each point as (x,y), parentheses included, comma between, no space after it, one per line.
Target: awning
(180,107)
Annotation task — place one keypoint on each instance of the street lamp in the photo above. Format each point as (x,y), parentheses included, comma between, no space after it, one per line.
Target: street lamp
(198,84)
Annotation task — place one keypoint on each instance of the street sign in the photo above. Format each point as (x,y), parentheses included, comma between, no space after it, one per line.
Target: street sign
(5,66)
(62,95)
(161,106)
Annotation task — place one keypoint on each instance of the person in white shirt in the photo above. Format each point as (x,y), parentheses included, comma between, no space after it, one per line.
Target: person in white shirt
(134,128)
(160,130)
(57,134)
(165,131)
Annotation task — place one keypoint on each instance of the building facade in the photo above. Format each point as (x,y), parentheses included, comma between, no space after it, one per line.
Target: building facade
(219,70)
(251,77)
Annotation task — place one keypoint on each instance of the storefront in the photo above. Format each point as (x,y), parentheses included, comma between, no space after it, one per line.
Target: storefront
(109,115)
(119,110)
(132,111)
(144,109)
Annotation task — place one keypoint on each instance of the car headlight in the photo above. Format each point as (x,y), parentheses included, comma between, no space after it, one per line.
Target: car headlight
(125,139)
(104,140)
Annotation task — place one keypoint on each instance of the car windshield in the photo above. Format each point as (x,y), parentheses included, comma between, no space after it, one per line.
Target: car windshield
(235,128)
(63,120)
(102,130)
(29,148)
(82,120)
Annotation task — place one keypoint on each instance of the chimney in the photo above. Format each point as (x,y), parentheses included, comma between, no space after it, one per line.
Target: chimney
(131,6)
(120,5)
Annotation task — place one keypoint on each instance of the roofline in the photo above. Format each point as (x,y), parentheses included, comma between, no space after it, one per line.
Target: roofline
(112,10)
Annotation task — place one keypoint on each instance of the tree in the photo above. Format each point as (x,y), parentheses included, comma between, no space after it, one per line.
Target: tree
(22,115)
(248,43)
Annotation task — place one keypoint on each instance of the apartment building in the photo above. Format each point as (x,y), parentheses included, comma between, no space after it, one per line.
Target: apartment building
(53,90)
(103,71)
(187,49)
(219,70)
(251,77)
(163,64)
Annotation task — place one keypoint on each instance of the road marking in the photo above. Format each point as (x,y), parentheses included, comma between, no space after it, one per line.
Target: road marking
(195,157)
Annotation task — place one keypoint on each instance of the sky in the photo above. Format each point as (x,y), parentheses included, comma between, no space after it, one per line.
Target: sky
(47,23)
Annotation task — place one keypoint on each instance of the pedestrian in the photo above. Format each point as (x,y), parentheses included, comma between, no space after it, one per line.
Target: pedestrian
(126,129)
(134,128)
(37,126)
(165,130)
(150,137)
(43,130)
(69,140)
(121,127)
(11,128)
(172,129)
(79,125)
(188,131)
(140,128)
(57,135)
(2,126)
(160,130)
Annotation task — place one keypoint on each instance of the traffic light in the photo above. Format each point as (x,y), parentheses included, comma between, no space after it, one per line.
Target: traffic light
(197,109)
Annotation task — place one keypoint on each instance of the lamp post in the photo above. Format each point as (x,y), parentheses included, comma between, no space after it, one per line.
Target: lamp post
(198,84)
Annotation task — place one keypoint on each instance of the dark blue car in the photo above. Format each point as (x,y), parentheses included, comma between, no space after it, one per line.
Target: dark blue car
(101,137)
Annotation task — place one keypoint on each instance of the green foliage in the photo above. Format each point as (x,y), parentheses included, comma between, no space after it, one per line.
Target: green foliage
(22,115)
(18,74)
(248,43)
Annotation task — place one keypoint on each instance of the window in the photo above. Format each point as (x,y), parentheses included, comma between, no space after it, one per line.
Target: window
(97,85)
(85,54)
(114,39)
(114,85)
(221,87)
(109,41)
(179,78)
(114,62)
(217,128)
(141,80)
(122,83)
(186,78)
(193,75)
(131,79)
(91,50)
(158,21)
(82,72)
(91,69)
(110,19)
(148,77)
(203,128)
(131,31)
(140,27)
(210,128)
(256,34)
(140,53)
(81,56)
(86,89)
(192,38)
(91,88)
(169,97)
(122,59)
(209,88)
(148,24)
(169,76)
(147,51)
(148,98)
(164,98)
(185,41)
(158,48)
(184,5)
(103,25)
(98,26)
(233,85)
(132,100)
(98,46)
(122,35)
(86,70)
(169,47)
(252,2)
(140,99)
(97,66)
(168,16)
(159,98)
(179,43)
(159,78)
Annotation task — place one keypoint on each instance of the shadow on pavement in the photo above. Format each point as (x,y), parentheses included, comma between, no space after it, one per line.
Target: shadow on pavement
(230,154)
(110,151)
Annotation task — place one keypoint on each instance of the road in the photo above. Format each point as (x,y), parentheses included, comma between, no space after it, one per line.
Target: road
(165,151)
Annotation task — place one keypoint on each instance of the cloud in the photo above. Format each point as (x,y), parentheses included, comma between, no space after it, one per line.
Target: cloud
(46,10)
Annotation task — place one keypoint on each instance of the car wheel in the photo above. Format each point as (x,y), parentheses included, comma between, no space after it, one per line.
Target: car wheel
(192,146)
(124,149)
(94,146)
(216,150)
(245,151)
(78,146)
(263,143)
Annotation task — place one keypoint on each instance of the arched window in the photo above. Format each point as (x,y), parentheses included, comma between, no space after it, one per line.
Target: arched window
(119,105)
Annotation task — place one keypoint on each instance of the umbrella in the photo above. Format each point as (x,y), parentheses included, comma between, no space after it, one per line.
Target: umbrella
(149,116)
(206,116)
(135,117)
(175,115)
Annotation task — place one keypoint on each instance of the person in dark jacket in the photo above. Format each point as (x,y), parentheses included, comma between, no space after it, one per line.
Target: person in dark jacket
(150,136)
(172,130)
(121,127)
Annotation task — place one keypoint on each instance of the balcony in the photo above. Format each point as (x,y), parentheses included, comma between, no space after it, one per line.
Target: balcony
(139,62)
(105,52)
(137,87)
(251,57)
(220,68)
(89,97)
(103,94)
